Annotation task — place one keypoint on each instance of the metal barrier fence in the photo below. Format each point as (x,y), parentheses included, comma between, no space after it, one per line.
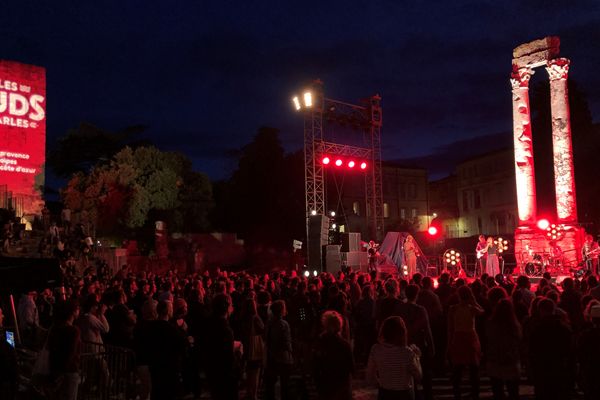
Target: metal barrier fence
(107,372)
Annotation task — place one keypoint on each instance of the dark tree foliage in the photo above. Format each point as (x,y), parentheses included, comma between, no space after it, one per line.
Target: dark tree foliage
(264,199)
(86,146)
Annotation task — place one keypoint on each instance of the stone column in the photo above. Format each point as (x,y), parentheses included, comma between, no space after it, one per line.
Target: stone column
(524,168)
(564,173)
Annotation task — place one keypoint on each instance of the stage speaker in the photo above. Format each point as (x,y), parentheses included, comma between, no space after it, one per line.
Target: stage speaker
(358,260)
(333,259)
(318,236)
(351,241)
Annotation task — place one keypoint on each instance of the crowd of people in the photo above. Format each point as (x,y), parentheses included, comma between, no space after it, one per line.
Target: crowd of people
(238,333)
(235,334)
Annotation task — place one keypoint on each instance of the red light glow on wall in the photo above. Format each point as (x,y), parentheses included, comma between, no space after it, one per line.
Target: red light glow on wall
(23,132)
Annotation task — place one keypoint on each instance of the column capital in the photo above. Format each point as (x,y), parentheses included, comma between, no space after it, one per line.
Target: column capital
(558,68)
(519,78)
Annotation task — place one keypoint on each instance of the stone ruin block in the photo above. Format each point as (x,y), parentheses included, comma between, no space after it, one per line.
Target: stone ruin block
(537,52)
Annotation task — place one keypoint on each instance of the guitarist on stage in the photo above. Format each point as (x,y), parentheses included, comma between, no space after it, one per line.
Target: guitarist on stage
(590,252)
(481,251)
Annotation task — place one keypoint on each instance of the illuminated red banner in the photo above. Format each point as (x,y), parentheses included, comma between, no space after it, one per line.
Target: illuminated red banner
(23,132)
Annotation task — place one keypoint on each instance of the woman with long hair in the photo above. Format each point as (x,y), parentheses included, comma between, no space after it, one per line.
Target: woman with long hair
(393,365)
(410,255)
(464,348)
(503,334)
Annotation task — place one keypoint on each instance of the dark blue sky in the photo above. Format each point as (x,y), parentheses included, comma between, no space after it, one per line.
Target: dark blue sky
(203,76)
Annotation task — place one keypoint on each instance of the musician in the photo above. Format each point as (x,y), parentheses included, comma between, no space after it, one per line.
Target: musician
(590,252)
(373,255)
(492,263)
(481,255)
(410,255)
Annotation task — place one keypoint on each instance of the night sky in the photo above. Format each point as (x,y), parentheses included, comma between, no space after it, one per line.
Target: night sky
(203,76)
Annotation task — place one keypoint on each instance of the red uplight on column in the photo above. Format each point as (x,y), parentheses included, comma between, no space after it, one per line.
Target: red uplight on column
(338,162)
(432,231)
(363,165)
(543,224)
(351,164)
(325,160)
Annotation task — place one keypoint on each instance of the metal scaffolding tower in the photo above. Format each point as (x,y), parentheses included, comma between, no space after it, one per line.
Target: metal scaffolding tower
(366,118)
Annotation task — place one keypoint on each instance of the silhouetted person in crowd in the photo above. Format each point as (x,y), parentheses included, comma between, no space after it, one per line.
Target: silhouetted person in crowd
(252,331)
(588,355)
(551,360)
(333,362)
(279,352)
(365,327)
(64,346)
(219,351)
(394,366)
(166,351)
(8,365)
(464,348)
(419,333)
(503,334)
(390,304)
(142,339)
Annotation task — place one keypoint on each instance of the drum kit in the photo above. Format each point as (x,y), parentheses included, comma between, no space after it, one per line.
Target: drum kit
(535,264)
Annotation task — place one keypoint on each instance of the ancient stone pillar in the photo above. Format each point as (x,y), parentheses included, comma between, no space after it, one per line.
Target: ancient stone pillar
(564,173)
(524,169)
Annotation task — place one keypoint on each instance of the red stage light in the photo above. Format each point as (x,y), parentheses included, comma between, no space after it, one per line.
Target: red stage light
(543,224)
(432,231)
(325,160)
(351,164)
(338,162)
(363,165)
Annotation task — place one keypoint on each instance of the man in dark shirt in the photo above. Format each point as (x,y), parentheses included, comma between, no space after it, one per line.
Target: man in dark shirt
(390,305)
(166,354)
(219,351)
(419,333)
(64,343)
(552,367)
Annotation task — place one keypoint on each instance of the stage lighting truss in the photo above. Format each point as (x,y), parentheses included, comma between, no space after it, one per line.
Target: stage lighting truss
(501,244)
(555,232)
(452,258)
(349,163)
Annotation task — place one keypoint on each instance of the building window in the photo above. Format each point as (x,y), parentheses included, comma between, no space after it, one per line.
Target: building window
(412,191)
(413,213)
(476,200)
(402,191)
(402,213)
(386,210)
(356,207)
(465,200)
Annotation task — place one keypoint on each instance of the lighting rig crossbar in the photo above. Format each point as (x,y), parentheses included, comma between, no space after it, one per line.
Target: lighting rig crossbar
(367,118)
(330,148)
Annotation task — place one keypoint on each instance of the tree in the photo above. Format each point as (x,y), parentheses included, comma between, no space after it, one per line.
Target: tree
(264,199)
(84,147)
(122,194)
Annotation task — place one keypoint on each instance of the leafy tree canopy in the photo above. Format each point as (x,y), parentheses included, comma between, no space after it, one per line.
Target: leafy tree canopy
(122,193)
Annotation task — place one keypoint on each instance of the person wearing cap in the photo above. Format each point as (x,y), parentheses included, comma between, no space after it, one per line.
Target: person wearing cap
(588,354)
